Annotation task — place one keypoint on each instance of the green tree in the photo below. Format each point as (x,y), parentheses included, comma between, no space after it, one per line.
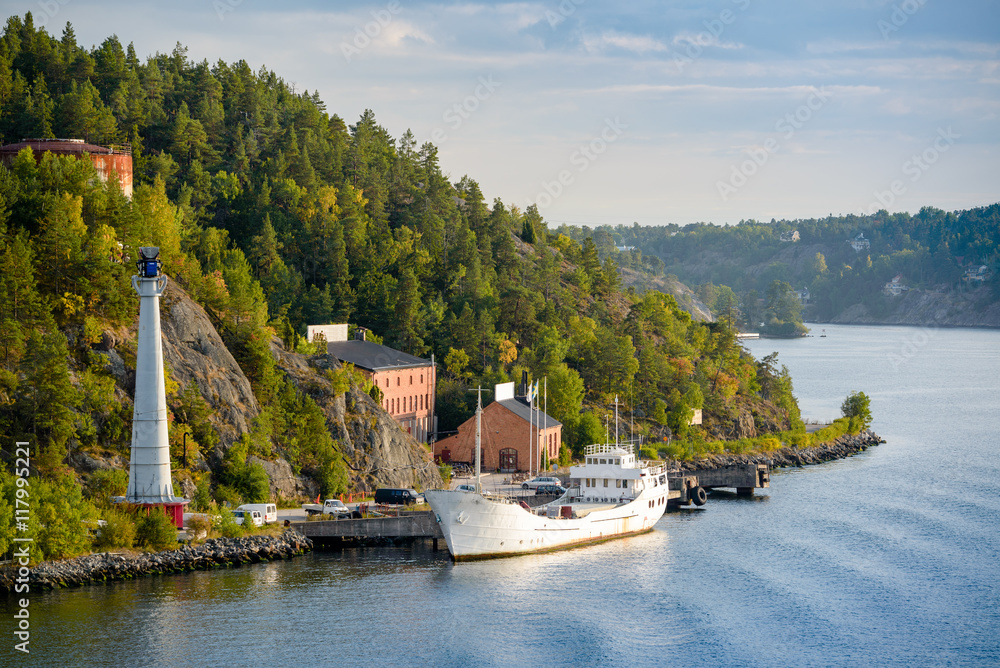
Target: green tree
(857,407)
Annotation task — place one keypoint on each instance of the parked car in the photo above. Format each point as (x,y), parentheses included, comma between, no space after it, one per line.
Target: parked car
(254,516)
(466,488)
(390,496)
(541,480)
(558,490)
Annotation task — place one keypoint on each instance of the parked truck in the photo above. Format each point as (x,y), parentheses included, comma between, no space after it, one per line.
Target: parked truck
(334,507)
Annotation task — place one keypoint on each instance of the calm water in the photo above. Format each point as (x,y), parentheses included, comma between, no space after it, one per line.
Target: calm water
(888,558)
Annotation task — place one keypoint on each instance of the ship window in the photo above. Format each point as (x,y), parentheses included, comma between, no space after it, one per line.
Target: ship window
(617,461)
(605,482)
(604,461)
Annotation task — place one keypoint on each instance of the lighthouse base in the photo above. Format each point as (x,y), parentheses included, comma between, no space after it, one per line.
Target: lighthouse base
(174,510)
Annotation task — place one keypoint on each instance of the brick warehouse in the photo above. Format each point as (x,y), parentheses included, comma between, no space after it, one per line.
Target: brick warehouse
(505,426)
(407,382)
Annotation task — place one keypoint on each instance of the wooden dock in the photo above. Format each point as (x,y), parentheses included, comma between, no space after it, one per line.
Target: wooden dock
(406,525)
(744,478)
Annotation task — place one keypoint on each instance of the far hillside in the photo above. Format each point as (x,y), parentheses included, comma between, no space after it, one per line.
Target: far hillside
(932,268)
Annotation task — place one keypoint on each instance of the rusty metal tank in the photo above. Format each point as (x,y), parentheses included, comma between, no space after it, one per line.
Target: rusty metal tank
(105,158)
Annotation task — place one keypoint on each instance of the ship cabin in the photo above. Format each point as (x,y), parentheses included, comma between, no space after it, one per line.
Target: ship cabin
(611,473)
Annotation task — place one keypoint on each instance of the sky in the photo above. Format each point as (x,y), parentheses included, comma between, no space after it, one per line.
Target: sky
(647,112)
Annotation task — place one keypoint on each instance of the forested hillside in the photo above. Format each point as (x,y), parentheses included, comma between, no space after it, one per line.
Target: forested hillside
(931,252)
(273,213)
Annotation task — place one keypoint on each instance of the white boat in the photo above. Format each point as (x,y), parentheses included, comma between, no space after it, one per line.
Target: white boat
(618,495)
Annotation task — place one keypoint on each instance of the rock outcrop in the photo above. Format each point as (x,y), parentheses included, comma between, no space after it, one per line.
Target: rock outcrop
(196,353)
(931,308)
(376,449)
(377,452)
(109,566)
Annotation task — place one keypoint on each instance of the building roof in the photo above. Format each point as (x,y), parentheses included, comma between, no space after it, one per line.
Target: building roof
(519,407)
(373,356)
(57,146)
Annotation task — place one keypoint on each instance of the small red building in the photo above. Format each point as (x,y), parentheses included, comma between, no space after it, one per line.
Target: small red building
(506,425)
(407,382)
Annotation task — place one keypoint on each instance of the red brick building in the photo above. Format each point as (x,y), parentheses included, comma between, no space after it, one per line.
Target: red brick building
(506,424)
(407,382)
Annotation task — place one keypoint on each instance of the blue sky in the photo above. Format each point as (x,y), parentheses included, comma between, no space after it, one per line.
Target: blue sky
(649,112)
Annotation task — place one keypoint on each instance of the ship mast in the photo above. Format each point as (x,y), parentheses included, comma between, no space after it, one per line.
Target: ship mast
(479,431)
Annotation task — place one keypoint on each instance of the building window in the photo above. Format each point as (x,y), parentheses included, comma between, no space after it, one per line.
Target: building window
(397,381)
(421,379)
(411,379)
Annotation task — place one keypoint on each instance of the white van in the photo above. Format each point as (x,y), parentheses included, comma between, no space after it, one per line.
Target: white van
(268,511)
(252,516)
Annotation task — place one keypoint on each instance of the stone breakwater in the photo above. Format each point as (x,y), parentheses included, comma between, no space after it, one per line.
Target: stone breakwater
(109,566)
(845,446)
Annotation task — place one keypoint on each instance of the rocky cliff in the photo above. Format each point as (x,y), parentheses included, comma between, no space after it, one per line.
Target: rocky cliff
(377,451)
(931,308)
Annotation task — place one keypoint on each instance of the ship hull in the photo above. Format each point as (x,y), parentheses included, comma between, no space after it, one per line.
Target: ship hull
(478,527)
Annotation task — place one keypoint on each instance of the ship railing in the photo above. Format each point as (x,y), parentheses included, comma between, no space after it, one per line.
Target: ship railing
(628,447)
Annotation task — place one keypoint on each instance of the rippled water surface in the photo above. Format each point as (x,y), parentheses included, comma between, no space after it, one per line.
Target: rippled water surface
(887,558)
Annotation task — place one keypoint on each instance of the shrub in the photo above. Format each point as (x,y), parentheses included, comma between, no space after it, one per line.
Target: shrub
(103,484)
(445,471)
(118,531)
(198,527)
(227,526)
(154,530)
(202,494)
(225,494)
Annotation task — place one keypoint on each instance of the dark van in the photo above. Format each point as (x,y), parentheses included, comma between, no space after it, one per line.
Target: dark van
(390,496)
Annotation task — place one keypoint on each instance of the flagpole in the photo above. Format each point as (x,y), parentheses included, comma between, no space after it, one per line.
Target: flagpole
(545,417)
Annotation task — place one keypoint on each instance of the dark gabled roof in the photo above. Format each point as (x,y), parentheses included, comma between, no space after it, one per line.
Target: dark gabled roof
(373,356)
(519,407)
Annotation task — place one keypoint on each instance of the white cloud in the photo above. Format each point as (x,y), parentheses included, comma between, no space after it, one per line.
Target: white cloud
(703,40)
(634,43)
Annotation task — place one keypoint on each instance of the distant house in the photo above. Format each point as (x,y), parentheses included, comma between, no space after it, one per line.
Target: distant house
(790,237)
(407,382)
(976,274)
(895,287)
(803,295)
(625,249)
(859,243)
(506,425)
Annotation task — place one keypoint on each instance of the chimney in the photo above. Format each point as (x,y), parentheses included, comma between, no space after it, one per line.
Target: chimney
(360,333)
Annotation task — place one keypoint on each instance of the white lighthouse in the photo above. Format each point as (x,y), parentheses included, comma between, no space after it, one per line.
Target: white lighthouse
(149,480)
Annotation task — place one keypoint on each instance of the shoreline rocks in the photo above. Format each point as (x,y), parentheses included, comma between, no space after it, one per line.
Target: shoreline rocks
(111,566)
(840,448)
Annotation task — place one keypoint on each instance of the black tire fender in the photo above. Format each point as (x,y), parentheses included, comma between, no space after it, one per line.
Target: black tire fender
(698,495)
